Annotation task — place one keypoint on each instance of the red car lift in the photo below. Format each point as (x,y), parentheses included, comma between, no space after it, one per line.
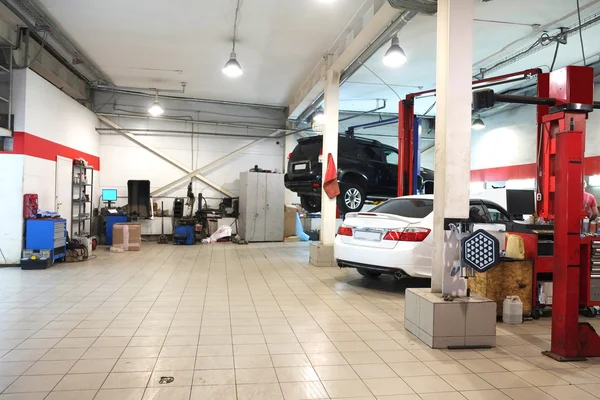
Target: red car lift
(408,136)
(565,97)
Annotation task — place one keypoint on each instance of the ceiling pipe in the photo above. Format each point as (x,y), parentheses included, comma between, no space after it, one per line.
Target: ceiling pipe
(195,99)
(420,6)
(385,36)
(132,89)
(145,116)
(31,15)
(224,135)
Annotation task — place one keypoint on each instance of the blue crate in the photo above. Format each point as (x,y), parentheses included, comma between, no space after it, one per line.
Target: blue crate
(183,234)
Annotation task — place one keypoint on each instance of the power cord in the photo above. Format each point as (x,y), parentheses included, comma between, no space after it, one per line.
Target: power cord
(581,33)
(384,82)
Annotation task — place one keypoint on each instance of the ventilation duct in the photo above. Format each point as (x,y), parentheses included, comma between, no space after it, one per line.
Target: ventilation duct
(420,6)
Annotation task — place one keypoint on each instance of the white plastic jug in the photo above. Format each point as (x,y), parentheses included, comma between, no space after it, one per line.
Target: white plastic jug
(512,310)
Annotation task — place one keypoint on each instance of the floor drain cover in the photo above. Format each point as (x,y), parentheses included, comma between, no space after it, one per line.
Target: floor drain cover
(166,379)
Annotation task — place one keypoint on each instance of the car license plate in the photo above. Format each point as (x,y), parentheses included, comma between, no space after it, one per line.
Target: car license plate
(300,167)
(367,235)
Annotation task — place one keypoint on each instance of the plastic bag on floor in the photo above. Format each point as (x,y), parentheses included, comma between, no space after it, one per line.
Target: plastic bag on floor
(223,231)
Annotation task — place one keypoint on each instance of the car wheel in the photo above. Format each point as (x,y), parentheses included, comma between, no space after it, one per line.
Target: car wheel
(367,273)
(311,203)
(351,198)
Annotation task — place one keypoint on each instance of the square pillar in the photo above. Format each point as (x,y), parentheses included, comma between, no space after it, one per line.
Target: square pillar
(323,251)
(465,321)
(452,136)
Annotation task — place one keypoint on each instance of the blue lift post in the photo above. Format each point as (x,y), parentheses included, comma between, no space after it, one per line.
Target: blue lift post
(416,154)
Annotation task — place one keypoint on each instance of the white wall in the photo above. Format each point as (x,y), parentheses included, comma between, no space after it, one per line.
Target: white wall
(11,201)
(52,115)
(509,138)
(124,160)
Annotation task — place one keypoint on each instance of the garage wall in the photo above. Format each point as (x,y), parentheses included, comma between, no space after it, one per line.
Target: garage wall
(11,199)
(123,159)
(48,123)
(54,124)
(509,139)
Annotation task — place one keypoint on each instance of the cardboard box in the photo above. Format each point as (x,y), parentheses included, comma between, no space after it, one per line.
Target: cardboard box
(289,221)
(127,236)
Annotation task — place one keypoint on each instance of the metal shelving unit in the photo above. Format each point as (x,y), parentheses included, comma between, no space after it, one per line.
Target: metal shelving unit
(82,195)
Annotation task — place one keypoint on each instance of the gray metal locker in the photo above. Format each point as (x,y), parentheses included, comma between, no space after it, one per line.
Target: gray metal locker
(261,207)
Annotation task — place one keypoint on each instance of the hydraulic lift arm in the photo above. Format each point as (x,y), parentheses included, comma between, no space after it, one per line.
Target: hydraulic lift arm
(565,98)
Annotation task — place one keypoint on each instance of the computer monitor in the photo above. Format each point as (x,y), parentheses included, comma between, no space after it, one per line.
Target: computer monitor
(519,202)
(109,195)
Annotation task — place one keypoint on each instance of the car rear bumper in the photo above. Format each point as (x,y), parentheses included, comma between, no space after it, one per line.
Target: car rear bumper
(303,187)
(388,261)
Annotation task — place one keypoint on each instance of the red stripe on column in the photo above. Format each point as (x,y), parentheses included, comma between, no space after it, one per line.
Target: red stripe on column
(35,146)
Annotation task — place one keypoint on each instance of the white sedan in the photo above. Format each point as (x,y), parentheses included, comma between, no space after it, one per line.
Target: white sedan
(395,237)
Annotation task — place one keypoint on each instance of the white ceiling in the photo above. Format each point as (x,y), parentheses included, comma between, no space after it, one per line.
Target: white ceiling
(418,39)
(145,42)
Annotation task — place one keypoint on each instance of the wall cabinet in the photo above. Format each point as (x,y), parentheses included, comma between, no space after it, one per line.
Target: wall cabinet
(261,207)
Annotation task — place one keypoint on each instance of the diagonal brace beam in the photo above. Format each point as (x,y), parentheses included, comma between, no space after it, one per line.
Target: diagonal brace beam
(212,164)
(164,156)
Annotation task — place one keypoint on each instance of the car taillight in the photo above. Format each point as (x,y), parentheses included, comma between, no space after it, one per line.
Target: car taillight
(289,156)
(320,155)
(408,235)
(344,231)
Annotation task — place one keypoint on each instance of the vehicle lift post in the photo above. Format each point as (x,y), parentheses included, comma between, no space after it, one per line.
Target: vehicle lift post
(565,97)
(408,129)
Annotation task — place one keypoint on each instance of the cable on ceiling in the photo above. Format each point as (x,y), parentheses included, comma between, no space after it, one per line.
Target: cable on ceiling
(34,59)
(554,58)
(384,82)
(581,33)
(544,40)
(235,22)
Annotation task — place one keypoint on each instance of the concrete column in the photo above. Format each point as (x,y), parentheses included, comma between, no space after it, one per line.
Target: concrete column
(330,145)
(453,134)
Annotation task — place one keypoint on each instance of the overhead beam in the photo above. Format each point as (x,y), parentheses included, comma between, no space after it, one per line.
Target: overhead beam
(212,164)
(366,26)
(42,61)
(164,156)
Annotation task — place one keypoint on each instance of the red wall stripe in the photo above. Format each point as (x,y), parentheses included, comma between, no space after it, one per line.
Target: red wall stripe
(591,166)
(35,146)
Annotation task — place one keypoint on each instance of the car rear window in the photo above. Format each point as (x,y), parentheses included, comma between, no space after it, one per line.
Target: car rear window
(410,208)
(307,149)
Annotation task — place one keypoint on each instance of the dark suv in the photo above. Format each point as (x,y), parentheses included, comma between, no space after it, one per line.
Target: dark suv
(367,169)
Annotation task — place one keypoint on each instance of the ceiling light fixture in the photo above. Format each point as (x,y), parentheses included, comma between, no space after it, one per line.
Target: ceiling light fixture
(232,68)
(394,56)
(156,109)
(319,117)
(478,124)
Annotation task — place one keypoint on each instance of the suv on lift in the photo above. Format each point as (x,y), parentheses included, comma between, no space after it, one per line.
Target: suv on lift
(367,169)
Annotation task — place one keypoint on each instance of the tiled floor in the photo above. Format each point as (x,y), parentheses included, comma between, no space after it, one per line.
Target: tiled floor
(246,322)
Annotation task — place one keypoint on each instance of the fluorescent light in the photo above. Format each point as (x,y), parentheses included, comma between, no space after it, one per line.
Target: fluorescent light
(319,117)
(232,68)
(520,184)
(594,180)
(394,56)
(156,109)
(478,124)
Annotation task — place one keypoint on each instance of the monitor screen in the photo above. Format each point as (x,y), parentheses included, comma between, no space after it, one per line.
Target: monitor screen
(109,194)
(520,202)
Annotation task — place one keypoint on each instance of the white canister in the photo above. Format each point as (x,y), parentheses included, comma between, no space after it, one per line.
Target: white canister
(512,310)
